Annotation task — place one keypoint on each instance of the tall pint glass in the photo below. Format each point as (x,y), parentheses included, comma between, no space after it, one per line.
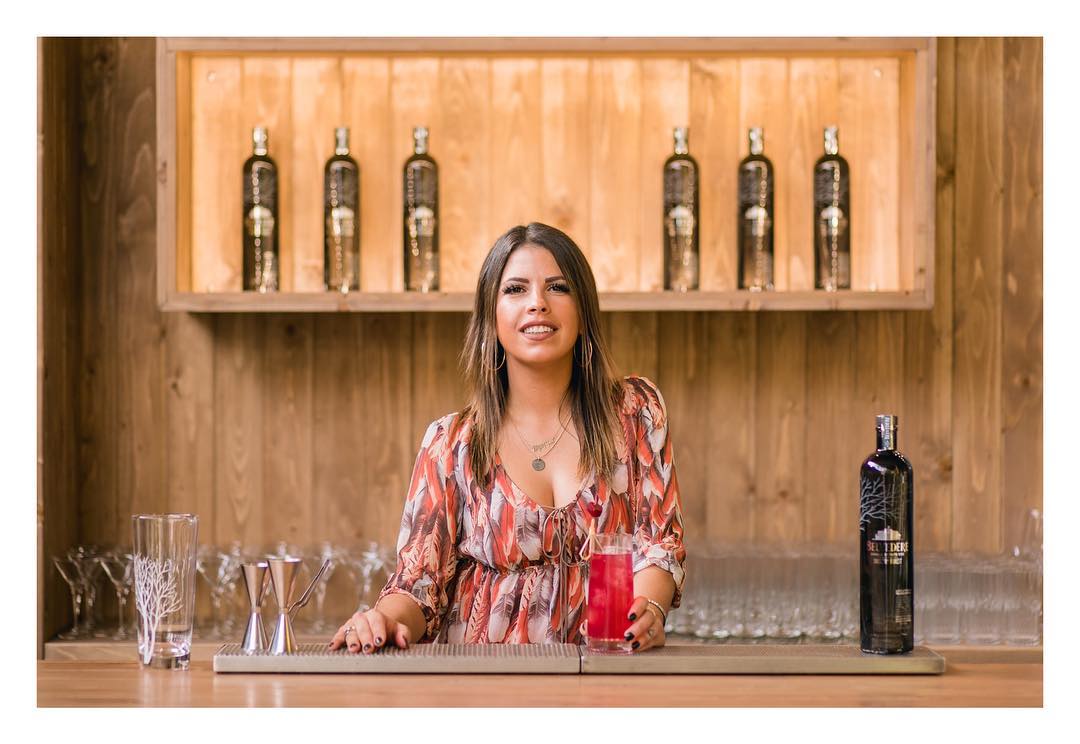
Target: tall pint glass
(164,558)
(611,590)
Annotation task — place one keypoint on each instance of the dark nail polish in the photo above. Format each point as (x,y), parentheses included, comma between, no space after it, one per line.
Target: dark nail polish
(629,635)
(378,641)
(352,647)
(633,616)
(635,644)
(367,646)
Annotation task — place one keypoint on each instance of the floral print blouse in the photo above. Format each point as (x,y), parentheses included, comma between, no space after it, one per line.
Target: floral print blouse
(485,564)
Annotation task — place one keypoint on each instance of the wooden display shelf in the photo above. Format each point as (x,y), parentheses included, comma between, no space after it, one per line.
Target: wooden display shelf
(461,302)
(571,132)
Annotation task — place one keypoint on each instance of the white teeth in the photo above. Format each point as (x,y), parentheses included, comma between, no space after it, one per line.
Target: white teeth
(538,329)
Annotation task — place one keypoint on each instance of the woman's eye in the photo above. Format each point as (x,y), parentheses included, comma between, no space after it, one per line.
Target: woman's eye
(560,287)
(512,289)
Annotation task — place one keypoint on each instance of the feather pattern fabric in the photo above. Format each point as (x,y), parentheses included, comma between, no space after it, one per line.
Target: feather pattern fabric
(483,564)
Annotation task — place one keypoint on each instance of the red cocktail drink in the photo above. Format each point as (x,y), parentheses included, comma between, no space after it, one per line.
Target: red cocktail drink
(611,590)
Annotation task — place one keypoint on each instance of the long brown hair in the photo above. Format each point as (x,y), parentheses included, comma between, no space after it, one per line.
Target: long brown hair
(595,390)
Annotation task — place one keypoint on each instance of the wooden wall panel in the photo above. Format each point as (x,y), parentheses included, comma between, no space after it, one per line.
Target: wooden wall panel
(615,98)
(713,142)
(1022,269)
(366,108)
(515,144)
(566,151)
(462,152)
(928,340)
(977,296)
(665,104)
(189,412)
(216,169)
(316,112)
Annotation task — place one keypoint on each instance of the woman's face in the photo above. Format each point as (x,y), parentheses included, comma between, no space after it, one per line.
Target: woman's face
(536,316)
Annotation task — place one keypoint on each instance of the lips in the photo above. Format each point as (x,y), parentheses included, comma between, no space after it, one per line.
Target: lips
(538,330)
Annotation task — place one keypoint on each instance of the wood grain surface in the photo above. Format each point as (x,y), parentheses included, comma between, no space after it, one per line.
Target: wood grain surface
(304,426)
(965,684)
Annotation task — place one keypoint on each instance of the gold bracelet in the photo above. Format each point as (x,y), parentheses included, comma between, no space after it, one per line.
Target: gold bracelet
(663,615)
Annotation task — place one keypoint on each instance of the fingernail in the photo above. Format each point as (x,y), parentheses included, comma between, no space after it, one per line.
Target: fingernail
(635,644)
(378,641)
(367,646)
(629,635)
(632,616)
(352,647)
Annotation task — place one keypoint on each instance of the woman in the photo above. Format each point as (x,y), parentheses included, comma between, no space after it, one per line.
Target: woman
(503,488)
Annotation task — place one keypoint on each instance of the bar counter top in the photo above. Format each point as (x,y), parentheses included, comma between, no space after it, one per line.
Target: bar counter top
(974,677)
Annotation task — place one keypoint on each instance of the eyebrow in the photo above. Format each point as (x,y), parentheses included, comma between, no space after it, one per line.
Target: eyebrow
(526,281)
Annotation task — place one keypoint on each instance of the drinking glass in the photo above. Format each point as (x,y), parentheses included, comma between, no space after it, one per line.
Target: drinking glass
(164,568)
(84,558)
(69,573)
(610,591)
(219,569)
(117,565)
(316,556)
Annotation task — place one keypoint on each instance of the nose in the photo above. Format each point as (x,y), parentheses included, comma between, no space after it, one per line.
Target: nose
(537,303)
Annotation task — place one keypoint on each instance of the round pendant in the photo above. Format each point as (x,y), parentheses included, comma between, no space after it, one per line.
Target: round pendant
(538,464)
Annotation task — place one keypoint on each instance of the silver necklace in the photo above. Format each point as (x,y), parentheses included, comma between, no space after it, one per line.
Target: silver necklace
(538,450)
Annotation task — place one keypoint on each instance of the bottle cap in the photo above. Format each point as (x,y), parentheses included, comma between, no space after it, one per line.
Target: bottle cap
(260,136)
(341,141)
(832,140)
(887,425)
(420,135)
(757,140)
(682,140)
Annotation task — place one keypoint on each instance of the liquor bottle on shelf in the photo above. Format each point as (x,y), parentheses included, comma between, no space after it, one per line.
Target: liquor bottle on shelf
(832,217)
(341,223)
(681,225)
(755,218)
(421,219)
(260,217)
(886,548)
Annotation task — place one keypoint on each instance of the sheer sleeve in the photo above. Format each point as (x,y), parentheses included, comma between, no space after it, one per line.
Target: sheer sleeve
(427,543)
(658,524)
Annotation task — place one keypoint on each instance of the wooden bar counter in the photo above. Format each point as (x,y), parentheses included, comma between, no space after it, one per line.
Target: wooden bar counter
(975,677)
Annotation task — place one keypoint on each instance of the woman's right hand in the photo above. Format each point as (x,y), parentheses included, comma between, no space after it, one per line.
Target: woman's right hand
(369,631)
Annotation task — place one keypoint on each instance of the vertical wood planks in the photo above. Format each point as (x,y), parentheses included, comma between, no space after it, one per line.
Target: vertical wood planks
(414,102)
(977,296)
(616,172)
(462,154)
(833,447)
(437,387)
(366,111)
(1022,319)
(266,85)
(812,95)
(515,145)
(928,339)
(764,102)
(316,111)
(665,104)
(566,151)
(780,427)
(732,514)
(715,144)
(288,418)
(217,159)
(634,341)
(238,429)
(869,138)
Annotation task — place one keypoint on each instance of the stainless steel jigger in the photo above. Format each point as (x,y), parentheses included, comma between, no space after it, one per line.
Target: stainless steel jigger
(282,575)
(255,579)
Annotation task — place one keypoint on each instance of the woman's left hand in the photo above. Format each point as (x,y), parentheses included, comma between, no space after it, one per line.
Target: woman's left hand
(647,629)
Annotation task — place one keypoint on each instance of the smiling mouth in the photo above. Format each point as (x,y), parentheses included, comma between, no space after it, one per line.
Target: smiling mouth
(538,330)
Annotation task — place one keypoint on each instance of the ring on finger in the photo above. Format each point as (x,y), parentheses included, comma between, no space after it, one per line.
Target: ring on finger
(652,631)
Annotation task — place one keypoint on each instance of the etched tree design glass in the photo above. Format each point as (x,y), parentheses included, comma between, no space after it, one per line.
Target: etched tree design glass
(164,561)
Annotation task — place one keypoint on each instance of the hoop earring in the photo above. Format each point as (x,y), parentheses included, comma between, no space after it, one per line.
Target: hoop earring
(501,364)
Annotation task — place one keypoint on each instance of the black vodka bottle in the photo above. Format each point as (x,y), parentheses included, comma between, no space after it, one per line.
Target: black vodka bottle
(832,217)
(681,224)
(756,211)
(341,223)
(886,550)
(260,217)
(421,218)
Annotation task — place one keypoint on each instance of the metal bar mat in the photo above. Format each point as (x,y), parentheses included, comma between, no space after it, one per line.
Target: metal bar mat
(425,658)
(570,659)
(764,659)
